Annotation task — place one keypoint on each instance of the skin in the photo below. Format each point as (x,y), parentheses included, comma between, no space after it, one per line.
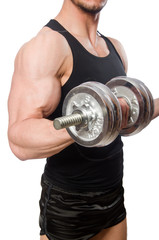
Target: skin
(42,66)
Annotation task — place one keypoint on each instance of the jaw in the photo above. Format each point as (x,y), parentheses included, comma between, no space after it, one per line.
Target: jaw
(91,7)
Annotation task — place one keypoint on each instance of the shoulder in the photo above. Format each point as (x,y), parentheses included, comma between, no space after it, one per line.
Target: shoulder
(35,88)
(121,51)
(44,52)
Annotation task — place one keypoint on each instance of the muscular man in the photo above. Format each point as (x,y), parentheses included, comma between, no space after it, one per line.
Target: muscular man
(82,195)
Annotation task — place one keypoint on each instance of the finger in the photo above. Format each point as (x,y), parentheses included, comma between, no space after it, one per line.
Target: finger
(125,112)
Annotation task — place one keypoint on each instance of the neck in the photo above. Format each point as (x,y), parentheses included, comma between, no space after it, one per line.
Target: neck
(78,22)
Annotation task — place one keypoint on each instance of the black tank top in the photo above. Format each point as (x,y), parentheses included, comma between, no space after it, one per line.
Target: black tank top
(79,168)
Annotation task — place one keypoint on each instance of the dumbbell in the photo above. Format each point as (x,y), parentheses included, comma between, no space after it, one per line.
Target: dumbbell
(92,113)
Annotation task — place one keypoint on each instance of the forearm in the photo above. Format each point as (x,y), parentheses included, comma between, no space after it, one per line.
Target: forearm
(37,138)
(156,108)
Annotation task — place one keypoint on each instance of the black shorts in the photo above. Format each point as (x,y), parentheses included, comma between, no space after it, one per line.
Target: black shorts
(78,216)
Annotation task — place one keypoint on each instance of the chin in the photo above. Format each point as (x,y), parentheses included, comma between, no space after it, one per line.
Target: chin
(90,6)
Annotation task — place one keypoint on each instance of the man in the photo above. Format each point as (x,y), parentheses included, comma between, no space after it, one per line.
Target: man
(82,196)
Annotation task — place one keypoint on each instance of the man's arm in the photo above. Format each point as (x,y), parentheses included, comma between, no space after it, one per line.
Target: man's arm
(156,108)
(123,56)
(35,94)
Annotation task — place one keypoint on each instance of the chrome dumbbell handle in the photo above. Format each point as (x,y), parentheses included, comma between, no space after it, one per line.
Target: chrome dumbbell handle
(67,121)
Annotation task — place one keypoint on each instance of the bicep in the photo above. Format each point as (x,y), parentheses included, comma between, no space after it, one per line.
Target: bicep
(32,98)
(35,90)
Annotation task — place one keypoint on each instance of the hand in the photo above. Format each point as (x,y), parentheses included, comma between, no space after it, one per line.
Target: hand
(125,112)
(156,108)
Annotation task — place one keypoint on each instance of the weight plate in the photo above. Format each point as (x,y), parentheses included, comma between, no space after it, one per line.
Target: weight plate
(151,103)
(127,88)
(148,102)
(89,97)
(117,114)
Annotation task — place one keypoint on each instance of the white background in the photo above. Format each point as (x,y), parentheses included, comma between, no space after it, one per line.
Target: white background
(135,24)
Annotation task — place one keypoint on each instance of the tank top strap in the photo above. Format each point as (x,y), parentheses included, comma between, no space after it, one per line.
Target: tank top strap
(72,41)
(108,42)
(110,46)
(56,26)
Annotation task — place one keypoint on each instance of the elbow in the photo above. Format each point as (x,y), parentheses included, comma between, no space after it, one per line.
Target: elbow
(18,152)
(21,157)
